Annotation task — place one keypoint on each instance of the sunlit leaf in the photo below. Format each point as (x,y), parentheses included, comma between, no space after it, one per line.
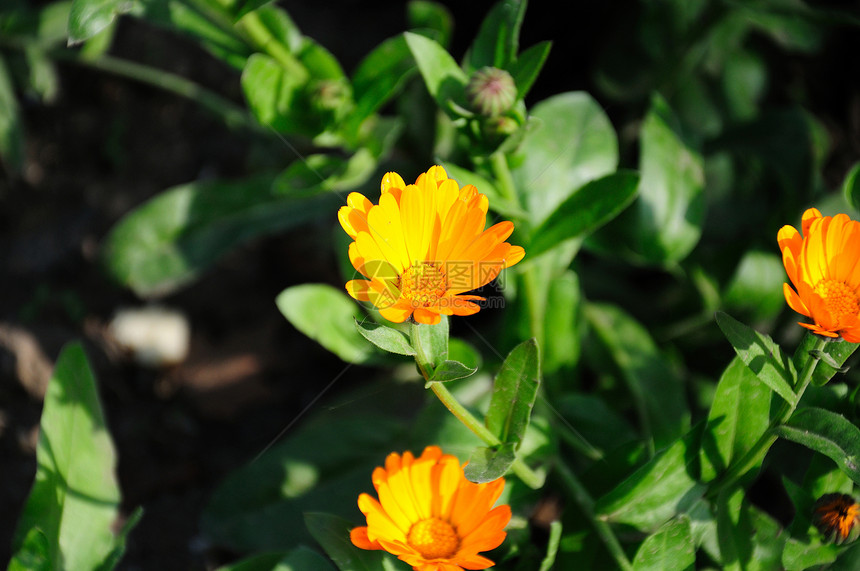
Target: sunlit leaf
(443,77)
(498,39)
(434,341)
(527,67)
(488,464)
(756,287)
(828,433)
(838,352)
(380,76)
(89,17)
(451,370)
(670,548)
(384,337)
(514,393)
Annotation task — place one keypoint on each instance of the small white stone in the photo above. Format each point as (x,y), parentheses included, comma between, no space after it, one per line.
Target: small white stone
(154,336)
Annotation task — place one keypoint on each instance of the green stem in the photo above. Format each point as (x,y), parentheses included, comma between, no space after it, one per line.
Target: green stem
(586,504)
(504,179)
(520,468)
(754,455)
(265,41)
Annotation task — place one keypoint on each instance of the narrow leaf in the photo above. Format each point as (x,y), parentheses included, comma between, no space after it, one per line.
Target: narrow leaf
(443,77)
(498,39)
(514,393)
(829,433)
(488,464)
(527,67)
(11,126)
(386,338)
(586,210)
(838,352)
(552,546)
(88,17)
(332,533)
(381,75)
(851,187)
(670,548)
(761,355)
(449,370)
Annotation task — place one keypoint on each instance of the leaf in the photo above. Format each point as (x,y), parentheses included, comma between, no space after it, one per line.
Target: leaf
(304,559)
(748,538)
(450,370)
(838,352)
(386,338)
(498,39)
(488,464)
(498,203)
(756,286)
(526,68)
(88,17)
(739,416)
(434,341)
(828,433)
(11,126)
(171,239)
(552,546)
(276,97)
(573,144)
(657,491)
(328,316)
(332,532)
(75,497)
(586,210)
(259,562)
(670,548)
(514,393)
(665,223)
(851,187)
(655,386)
(563,325)
(761,355)
(432,20)
(33,554)
(115,556)
(443,77)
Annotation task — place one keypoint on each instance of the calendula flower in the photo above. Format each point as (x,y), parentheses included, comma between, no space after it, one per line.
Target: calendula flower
(424,246)
(836,516)
(824,267)
(429,515)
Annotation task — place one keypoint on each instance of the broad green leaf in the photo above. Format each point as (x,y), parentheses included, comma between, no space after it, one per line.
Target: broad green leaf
(75,497)
(563,325)
(171,239)
(514,393)
(277,97)
(384,337)
(527,66)
(433,340)
(654,384)
(11,126)
(332,532)
(450,370)
(670,548)
(657,491)
(828,433)
(799,555)
(851,187)
(443,77)
(380,76)
(761,355)
(665,223)
(498,39)
(328,316)
(573,143)
(739,416)
(89,17)
(488,464)
(838,351)
(756,287)
(748,538)
(33,554)
(586,210)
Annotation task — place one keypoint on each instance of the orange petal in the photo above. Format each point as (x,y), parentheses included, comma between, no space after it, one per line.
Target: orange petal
(358,536)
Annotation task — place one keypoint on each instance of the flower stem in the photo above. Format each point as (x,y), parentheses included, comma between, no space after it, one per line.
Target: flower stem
(586,504)
(504,179)
(754,455)
(424,361)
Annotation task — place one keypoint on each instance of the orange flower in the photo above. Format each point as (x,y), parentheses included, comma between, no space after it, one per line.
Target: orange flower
(835,516)
(423,246)
(824,267)
(429,515)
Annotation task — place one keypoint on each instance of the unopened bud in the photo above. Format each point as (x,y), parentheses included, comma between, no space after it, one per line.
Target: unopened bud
(491,91)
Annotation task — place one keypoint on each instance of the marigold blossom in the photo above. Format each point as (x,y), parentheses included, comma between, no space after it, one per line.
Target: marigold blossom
(835,516)
(423,246)
(824,266)
(429,515)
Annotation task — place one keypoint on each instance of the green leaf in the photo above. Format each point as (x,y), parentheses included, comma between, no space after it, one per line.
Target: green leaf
(11,126)
(829,433)
(851,187)
(526,68)
(171,239)
(761,355)
(332,532)
(748,538)
(657,491)
(756,287)
(433,339)
(443,77)
(563,326)
(380,76)
(75,497)
(386,338)
(799,554)
(670,548)
(88,17)
(665,223)
(739,416)
(838,352)
(328,316)
(488,464)
(304,559)
(267,561)
(116,555)
(498,39)
(654,384)
(277,97)
(586,210)
(573,143)
(514,393)
(552,546)
(432,20)
(450,370)
(498,203)
(33,554)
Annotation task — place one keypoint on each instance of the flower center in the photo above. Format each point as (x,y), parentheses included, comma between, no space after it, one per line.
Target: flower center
(433,538)
(423,284)
(839,299)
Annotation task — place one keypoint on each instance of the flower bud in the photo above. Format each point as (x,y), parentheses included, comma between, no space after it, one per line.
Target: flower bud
(491,91)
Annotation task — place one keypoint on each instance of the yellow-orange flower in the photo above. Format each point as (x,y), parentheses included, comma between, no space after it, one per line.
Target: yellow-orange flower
(824,267)
(429,515)
(423,246)
(836,516)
